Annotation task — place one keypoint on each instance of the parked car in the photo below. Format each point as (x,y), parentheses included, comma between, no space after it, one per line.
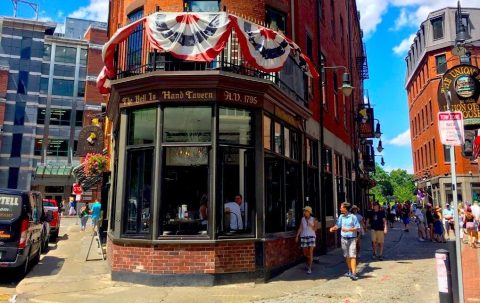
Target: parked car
(51,206)
(22,229)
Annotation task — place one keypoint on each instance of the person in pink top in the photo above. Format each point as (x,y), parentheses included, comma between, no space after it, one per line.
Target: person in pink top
(307,235)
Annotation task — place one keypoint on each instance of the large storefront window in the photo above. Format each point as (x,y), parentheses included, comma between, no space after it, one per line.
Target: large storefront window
(236,172)
(282,179)
(139,191)
(140,165)
(328,182)
(185,191)
(339,179)
(312,190)
(187,136)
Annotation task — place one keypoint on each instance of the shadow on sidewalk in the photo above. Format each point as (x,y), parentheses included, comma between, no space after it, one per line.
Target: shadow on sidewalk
(49,265)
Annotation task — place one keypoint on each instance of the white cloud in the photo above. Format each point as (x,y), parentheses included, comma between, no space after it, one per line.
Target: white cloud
(60,14)
(97,10)
(404,45)
(371,12)
(402,139)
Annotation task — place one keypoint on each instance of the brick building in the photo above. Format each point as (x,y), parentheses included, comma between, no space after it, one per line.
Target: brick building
(429,58)
(191,136)
(50,88)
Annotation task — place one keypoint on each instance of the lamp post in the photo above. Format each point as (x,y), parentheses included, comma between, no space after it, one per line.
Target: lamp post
(346,89)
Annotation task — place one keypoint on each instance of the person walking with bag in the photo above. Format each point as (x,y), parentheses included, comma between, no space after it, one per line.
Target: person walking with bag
(306,233)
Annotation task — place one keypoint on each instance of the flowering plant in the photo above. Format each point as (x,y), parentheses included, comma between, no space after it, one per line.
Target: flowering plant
(94,164)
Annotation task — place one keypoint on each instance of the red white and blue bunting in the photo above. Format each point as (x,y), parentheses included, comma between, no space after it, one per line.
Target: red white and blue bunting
(202,37)
(193,37)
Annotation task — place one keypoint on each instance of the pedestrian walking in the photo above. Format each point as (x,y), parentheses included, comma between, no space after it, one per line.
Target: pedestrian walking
(406,215)
(306,233)
(448,220)
(438,231)
(470,227)
(361,232)
(378,226)
(72,207)
(95,214)
(349,226)
(391,213)
(84,214)
(429,220)
(420,221)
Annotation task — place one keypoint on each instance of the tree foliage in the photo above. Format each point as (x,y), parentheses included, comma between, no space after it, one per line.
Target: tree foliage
(394,185)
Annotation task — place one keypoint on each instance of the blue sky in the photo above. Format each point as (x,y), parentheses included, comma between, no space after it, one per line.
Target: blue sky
(389,26)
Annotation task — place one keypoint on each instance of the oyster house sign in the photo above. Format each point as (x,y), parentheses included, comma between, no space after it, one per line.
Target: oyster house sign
(461,84)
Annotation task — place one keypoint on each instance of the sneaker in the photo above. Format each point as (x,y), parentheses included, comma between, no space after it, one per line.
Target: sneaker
(421,239)
(374,256)
(354,277)
(348,274)
(309,271)
(380,258)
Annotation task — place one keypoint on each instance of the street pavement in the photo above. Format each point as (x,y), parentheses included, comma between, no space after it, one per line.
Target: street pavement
(407,274)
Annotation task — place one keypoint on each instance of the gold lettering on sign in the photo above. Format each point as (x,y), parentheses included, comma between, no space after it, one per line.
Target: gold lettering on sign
(240,98)
(139,99)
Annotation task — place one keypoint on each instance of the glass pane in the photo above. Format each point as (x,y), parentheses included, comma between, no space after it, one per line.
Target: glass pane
(60,116)
(185,208)
(286,133)
(83,56)
(236,190)
(62,87)
(139,191)
(44,85)
(274,203)
(187,124)
(267,137)
(202,6)
(278,138)
(65,54)
(235,126)
(47,49)
(292,193)
(142,126)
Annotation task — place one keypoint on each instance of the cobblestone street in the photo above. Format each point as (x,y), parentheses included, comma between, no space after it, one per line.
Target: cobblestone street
(407,274)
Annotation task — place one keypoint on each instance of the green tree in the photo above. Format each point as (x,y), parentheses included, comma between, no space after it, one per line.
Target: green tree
(397,184)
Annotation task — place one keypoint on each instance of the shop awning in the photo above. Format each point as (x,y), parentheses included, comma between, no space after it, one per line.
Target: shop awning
(53,170)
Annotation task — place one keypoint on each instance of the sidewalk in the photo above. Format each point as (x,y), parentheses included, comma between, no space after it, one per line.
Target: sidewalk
(471,273)
(64,276)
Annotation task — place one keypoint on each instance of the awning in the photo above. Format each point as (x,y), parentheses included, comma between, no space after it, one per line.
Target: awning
(53,170)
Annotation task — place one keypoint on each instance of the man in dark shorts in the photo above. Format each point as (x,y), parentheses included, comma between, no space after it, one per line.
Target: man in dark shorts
(349,226)
(430,220)
(378,224)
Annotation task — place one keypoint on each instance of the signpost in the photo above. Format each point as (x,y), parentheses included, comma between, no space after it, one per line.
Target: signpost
(450,127)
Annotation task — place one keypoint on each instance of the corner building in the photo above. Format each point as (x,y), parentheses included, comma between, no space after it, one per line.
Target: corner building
(430,56)
(188,137)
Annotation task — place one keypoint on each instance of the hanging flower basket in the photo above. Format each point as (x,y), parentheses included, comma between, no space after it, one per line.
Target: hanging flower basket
(95,164)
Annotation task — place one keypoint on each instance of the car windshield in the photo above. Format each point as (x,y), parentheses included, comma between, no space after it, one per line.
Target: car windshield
(49,203)
(10,207)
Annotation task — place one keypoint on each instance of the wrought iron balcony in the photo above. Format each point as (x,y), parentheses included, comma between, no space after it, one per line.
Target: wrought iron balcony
(135,56)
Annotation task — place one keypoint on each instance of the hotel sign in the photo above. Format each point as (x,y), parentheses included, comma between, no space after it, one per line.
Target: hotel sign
(190,95)
(461,85)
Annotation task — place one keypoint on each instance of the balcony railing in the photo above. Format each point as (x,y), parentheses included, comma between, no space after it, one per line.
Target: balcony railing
(135,56)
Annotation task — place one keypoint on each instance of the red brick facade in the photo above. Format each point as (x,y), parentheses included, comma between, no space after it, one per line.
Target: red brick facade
(222,257)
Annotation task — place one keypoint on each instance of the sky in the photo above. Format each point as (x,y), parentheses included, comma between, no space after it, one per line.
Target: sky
(389,28)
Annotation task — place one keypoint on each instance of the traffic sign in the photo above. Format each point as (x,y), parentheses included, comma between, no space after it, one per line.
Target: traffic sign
(450,127)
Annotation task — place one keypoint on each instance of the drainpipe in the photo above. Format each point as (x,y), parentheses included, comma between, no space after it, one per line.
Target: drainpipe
(292,12)
(323,208)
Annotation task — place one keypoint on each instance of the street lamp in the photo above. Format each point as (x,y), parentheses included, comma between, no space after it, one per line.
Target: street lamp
(346,87)
(378,132)
(380,147)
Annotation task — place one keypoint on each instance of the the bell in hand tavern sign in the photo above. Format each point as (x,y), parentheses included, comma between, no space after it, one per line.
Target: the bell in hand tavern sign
(90,140)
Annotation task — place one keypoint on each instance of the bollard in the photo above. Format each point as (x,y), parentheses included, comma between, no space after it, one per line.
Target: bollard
(444,276)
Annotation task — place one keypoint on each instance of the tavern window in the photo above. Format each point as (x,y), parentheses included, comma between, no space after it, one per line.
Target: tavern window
(276,20)
(201,6)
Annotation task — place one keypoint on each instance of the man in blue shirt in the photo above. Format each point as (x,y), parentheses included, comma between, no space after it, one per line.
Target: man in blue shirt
(95,214)
(349,226)
(448,221)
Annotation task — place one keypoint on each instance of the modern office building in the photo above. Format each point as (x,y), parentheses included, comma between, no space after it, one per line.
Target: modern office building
(190,135)
(49,88)
(429,58)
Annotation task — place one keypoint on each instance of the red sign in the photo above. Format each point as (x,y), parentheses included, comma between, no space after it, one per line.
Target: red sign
(77,189)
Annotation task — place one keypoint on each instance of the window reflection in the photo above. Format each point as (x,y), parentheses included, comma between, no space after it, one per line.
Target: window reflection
(235,126)
(202,6)
(185,200)
(267,137)
(142,126)
(139,191)
(187,124)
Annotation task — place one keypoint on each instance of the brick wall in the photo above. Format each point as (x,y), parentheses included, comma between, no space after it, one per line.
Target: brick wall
(183,258)
(96,35)
(281,252)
